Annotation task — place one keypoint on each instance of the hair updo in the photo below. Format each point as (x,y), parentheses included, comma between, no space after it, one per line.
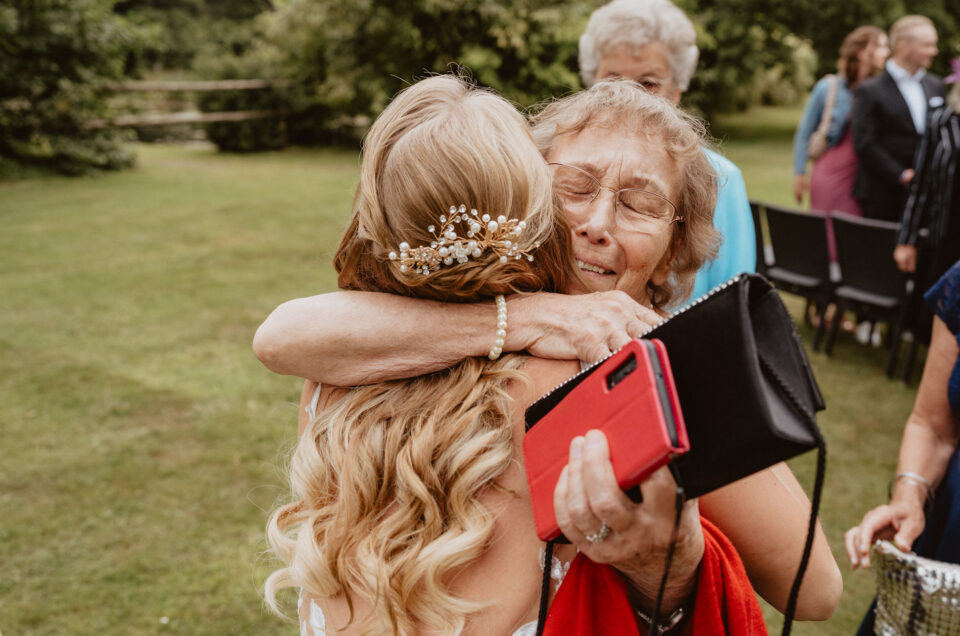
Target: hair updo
(481,155)
(387,478)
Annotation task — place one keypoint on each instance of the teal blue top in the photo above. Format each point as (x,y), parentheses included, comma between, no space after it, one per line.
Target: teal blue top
(731,217)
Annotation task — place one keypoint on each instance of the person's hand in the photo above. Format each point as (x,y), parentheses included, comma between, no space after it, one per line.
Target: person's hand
(900,521)
(583,327)
(907,176)
(906,258)
(587,498)
(799,187)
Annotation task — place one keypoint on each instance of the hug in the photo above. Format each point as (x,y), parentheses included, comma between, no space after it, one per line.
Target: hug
(411,511)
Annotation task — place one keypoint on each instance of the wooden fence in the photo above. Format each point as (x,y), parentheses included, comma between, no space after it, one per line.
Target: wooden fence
(192,116)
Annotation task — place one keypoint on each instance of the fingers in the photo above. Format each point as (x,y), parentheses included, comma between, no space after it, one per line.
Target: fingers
(909,531)
(660,493)
(879,523)
(582,520)
(594,352)
(852,543)
(619,340)
(603,493)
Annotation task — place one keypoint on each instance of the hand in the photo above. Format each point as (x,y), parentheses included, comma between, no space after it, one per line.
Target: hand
(906,258)
(587,497)
(900,521)
(906,176)
(799,187)
(583,327)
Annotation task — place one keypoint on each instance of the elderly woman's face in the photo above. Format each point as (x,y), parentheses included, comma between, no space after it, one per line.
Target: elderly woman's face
(614,252)
(647,65)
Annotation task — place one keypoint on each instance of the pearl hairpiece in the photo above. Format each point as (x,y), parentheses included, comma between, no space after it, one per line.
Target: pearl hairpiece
(482,233)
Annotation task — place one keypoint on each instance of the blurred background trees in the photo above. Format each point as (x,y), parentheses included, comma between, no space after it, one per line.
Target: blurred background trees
(343,60)
(56,60)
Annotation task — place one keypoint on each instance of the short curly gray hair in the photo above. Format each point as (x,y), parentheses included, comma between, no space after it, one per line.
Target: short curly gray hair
(635,23)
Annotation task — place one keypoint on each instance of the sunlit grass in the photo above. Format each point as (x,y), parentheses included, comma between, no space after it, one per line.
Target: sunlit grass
(142,440)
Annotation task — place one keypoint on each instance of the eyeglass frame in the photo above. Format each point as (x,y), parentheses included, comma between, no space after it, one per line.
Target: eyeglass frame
(677,217)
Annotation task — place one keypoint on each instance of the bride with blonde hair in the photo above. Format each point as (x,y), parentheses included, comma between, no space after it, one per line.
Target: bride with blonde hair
(410,511)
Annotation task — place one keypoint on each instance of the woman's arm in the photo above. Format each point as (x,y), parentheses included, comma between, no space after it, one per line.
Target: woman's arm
(765,516)
(929,441)
(347,338)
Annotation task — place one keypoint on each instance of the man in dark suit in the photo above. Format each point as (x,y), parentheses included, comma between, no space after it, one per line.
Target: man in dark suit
(889,112)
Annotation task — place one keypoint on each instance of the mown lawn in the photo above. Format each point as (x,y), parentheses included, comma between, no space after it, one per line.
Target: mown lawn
(143,442)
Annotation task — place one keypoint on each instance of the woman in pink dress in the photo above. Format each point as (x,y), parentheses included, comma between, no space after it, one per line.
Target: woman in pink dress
(863,54)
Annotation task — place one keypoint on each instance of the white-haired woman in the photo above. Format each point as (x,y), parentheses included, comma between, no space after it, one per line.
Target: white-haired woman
(653,42)
(617,155)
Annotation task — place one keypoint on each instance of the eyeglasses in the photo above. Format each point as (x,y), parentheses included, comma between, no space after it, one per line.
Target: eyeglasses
(637,210)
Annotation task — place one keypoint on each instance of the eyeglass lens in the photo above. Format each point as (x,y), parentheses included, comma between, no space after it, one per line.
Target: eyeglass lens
(636,208)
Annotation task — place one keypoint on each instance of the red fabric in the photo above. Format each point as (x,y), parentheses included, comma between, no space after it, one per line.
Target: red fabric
(593,597)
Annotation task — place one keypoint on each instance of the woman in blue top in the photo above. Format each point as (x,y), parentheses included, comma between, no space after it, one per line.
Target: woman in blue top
(863,54)
(929,468)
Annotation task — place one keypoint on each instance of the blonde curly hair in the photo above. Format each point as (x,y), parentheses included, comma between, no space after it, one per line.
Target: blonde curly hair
(386,478)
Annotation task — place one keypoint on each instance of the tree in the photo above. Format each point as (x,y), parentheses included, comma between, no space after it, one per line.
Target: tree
(351,58)
(56,59)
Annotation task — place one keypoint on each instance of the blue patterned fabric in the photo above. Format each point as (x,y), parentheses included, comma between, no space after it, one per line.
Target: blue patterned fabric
(944,301)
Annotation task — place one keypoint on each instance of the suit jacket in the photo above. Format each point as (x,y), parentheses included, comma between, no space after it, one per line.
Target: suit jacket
(885,138)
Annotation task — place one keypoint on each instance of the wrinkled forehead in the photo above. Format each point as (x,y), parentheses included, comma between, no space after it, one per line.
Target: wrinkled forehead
(619,157)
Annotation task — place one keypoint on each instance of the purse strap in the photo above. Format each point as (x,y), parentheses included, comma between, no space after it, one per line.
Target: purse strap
(827,115)
(545,587)
(817,492)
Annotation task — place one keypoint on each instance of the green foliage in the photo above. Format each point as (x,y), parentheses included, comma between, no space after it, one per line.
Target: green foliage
(349,59)
(179,31)
(745,57)
(825,24)
(56,58)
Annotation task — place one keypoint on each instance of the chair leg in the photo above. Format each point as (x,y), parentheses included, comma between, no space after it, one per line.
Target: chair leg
(822,326)
(911,358)
(896,335)
(834,328)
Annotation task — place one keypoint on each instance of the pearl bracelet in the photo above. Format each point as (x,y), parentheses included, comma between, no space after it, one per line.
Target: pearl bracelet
(501,327)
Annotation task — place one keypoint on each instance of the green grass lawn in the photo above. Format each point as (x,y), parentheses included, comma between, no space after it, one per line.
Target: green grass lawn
(143,442)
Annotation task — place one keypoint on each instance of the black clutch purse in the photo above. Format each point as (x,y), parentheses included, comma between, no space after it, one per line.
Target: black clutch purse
(747,392)
(745,385)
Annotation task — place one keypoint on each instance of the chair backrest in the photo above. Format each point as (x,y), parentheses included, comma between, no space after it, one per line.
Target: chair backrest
(756,211)
(799,240)
(865,254)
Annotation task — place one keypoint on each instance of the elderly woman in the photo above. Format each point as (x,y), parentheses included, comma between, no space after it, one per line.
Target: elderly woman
(652,42)
(612,158)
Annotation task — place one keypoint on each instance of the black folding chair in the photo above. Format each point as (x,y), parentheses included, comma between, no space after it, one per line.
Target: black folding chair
(756,211)
(870,282)
(801,264)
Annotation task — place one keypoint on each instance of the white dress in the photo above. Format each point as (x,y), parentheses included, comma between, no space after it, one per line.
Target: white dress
(315,623)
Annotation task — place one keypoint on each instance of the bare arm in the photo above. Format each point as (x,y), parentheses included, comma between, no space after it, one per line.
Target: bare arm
(929,441)
(765,515)
(346,338)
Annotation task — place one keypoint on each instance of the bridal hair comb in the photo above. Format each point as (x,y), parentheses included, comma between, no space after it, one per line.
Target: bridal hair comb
(480,233)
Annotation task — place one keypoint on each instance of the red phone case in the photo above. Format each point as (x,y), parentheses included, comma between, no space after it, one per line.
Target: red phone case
(634,413)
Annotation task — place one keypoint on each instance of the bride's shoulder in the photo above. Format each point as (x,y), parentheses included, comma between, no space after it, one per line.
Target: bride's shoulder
(545,375)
